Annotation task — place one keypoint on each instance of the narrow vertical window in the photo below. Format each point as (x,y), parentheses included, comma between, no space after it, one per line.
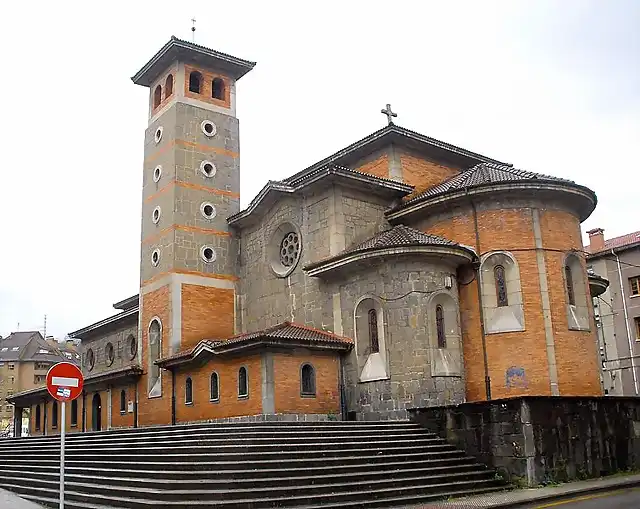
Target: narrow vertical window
(188,391)
(74,412)
(214,388)
(307,380)
(217,89)
(123,402)
(157,96)
(442,339)
(243,386)
(168,86)
(54,414)
(373,331)
(155,347)
(195,81)
(38,416)
(501,286)
(569,281)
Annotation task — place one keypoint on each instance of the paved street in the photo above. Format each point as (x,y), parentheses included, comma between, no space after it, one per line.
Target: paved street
(618,499)
(10,501)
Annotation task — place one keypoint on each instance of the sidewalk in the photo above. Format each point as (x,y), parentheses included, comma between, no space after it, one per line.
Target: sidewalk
(529,496)
(10,501)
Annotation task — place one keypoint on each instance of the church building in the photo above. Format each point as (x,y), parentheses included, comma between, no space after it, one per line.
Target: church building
(399,272)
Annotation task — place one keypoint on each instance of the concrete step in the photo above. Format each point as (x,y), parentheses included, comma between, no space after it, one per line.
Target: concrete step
(363,495)
(231,464)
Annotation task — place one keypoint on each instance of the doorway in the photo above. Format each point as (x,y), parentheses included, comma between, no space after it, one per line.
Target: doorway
(96,412)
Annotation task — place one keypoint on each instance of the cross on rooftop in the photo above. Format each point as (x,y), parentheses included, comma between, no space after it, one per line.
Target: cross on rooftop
(193,29)
(390,114)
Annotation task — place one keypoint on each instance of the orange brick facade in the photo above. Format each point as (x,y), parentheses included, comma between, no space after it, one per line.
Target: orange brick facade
(206,91)
(207,312)
(512,230)
(422,173)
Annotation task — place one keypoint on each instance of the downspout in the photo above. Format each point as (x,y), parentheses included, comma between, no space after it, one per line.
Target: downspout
(487,379)
(173,397)
(626,323)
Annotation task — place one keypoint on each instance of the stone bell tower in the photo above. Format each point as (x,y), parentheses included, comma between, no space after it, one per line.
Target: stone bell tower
(191,184)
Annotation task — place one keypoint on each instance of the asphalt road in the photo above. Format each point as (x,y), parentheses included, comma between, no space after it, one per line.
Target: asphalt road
(618,499)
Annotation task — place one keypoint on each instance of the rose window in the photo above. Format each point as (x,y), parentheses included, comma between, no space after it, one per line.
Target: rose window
(290,249)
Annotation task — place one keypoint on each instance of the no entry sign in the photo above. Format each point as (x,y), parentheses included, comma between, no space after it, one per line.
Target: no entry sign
(65,381)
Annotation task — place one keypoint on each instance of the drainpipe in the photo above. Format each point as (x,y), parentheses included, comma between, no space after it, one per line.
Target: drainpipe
(626,322)
(173,397)
(487,378)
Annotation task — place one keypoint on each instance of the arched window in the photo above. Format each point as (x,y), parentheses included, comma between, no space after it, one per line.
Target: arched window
(373,331)
(74,412)
(243,383)
(54,414)
(571,296)
(501,286)
(195,82)
(442,338)
(155,348)
(123,402)
(168,86)
(214,387)
(217,89)
(188,391)
(38,417)
(157,96)
(307,380)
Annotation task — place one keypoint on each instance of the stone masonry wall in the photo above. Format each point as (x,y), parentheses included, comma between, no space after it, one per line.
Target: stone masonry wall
(406,337)
(539,440)
(98,345)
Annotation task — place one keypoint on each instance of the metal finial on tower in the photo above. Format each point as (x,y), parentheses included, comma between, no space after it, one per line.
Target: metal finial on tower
(193,29)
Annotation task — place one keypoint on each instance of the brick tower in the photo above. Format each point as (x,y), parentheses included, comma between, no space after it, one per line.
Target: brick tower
(191,184)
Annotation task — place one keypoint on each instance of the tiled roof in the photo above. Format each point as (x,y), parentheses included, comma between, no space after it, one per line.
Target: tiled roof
(484,173)
(618,242)
(401,235)
(29,346)
(283,332)
(388,134)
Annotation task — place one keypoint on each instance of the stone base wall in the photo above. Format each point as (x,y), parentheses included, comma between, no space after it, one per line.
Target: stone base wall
(273,418)
(539,440)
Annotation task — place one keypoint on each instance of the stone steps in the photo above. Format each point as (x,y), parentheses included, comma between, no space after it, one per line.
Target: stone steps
(260,465)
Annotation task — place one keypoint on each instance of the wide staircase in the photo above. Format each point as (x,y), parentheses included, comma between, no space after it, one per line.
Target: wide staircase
(295,464)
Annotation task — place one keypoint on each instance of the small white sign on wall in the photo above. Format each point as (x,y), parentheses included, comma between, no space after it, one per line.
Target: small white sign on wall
(130,407)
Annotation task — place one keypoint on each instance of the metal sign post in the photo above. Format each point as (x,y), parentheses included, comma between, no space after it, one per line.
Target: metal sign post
(64,383)
(63,423)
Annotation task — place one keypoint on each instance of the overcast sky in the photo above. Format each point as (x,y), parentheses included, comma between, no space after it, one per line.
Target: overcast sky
(550,86)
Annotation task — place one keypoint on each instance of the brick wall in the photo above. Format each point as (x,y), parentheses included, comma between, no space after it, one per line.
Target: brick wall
(376,164)
(206,90)
(287,383)
(510,228)
(206,313)
(121,419)
(229,404)
(155,410)
(423,174)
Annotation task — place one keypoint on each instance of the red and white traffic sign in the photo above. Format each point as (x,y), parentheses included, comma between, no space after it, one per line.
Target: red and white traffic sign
(65,381)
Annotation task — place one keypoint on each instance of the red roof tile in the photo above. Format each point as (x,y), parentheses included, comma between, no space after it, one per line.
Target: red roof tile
(618,242)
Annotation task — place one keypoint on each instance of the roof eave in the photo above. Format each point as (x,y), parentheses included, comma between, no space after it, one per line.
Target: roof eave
(618,249)
(406,210)
(93,329)
(457,254)
(177,48)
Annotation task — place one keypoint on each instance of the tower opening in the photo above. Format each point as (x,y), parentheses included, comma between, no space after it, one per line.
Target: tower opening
(195,82)
(157,96)
(217,89)
(168,86)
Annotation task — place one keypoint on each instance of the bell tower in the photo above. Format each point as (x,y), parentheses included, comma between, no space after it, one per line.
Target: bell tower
(190,185)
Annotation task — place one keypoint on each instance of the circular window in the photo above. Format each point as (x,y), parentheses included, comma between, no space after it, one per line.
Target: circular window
(208,254)
(207,168)
(290,249)
(158,134)
(110,354)
(284,249)
(155,257)
(155,216)
(208,128)
(90,359)
(208,210)
(132,346)
(157,173)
